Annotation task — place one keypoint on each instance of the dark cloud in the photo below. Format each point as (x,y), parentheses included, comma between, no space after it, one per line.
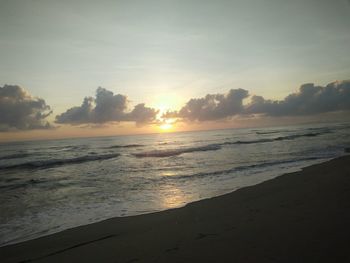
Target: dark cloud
(309,100)
(212,106)
(107,107)
(20,111)
(142,114)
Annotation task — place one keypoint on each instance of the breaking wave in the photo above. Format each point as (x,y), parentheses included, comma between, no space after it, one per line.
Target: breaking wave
(244,167)
(271,132)
(125,146)
(281,138)
(168,153)
(217,146)
(43,164)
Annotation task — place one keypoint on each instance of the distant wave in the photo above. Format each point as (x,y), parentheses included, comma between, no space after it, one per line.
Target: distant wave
(321,129)
(30,182)
(313,129)
(57,162)
(14,156)
(125,146)
(271,132)
(217,146)
(67,147)
(281,138)
(168,153)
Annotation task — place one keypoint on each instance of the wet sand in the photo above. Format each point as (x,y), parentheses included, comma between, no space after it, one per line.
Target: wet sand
(297,217)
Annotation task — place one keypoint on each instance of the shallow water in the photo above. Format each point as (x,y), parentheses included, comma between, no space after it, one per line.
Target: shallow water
(49,186)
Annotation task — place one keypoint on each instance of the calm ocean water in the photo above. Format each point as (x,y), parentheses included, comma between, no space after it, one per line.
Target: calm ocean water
(49,186)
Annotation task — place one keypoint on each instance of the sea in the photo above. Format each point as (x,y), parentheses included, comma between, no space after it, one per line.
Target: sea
(53,185)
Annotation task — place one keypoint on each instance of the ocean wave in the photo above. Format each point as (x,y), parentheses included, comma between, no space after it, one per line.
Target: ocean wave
(280,138)
(14,156)
(12,186)
(321,129)
(271,132)
(168,153)
(244,167)
(217,146)
(125,146)
(312,129)
(43,164)
(295,136)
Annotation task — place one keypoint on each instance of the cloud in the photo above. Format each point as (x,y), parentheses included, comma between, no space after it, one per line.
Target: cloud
(107,107)
(20,111)
(212,106)
(309,100)
(142,114)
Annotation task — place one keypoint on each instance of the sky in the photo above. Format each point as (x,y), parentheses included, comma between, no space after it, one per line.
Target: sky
(143,62)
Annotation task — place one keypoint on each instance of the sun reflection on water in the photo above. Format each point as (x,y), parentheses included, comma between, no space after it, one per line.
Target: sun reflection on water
(173,197)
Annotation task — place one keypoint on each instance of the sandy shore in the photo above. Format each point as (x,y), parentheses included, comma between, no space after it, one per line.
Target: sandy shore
(297,217)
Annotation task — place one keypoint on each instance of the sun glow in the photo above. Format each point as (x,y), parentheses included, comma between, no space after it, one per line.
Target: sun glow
(165,126)
(164,103)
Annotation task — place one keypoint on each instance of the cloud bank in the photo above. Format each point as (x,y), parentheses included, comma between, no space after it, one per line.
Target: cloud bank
(107,107)
(309,100)
(20,111)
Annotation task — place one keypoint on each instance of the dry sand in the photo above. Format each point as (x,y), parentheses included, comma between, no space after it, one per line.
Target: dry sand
(297,217)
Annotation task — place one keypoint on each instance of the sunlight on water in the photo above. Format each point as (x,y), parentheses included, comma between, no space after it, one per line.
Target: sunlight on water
(173,197)
(169,173)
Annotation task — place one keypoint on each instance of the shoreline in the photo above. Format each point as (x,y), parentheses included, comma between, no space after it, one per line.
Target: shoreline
(296,217)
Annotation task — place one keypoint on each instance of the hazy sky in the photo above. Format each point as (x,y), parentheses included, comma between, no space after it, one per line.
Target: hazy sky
(62,51)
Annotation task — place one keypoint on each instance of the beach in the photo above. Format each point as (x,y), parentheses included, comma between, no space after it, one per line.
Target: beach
(53,185)
(174,131)
(297,217)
